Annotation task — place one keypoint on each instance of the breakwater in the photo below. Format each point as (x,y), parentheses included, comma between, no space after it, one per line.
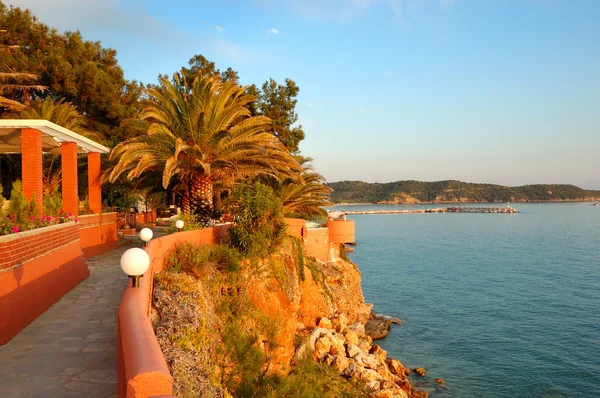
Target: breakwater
(466,209)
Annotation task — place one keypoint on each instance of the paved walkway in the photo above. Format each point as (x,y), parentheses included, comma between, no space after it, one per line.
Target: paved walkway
(70,350)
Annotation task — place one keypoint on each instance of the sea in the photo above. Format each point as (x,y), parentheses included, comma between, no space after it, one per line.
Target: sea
(496,305)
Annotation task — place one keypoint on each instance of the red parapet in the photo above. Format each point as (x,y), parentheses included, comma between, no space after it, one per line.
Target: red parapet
(341,231)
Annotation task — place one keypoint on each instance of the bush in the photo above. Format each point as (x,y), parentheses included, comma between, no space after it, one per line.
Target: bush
(190,223)
(259,226)
(197,259)
(52,203)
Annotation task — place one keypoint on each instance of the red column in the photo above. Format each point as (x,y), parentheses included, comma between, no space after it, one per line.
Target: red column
(70,196)
(94,186)
(31,173)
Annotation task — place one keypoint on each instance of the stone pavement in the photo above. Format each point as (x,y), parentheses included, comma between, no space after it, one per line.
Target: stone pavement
(70,350)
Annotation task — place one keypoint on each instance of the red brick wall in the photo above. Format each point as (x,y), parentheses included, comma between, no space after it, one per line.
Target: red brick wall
(70,195)
(25,246)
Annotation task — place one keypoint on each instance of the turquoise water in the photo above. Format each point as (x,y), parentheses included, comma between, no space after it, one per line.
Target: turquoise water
(498,305)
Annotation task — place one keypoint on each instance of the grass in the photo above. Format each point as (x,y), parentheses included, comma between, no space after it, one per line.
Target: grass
(198,259)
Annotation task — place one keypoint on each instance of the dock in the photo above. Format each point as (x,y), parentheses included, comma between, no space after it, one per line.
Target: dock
(466,209)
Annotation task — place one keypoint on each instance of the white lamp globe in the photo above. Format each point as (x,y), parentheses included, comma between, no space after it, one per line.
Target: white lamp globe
(146,234)
(179,224)
(135,262)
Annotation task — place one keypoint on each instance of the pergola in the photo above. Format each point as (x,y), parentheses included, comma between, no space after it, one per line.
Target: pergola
(32,138)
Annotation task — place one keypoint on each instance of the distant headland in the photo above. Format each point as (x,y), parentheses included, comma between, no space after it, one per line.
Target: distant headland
(450,191)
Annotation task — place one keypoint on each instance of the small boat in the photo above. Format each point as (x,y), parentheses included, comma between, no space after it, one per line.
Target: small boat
(595,204)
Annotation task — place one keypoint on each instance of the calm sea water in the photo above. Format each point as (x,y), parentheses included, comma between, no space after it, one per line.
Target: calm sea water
(498,305)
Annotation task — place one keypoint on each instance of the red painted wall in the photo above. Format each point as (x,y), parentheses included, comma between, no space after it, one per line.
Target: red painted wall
(39,268)
(98,233)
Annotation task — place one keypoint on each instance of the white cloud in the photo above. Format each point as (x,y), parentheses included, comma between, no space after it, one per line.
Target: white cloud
(219,28)
(273,31)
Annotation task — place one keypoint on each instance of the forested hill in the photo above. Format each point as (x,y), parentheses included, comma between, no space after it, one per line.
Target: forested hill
(454,192)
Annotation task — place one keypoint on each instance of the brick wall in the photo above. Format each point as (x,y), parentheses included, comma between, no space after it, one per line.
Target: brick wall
(26,246)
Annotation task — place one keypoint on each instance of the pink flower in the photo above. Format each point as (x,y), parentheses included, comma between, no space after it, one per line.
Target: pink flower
(32,218)
(15,229)
(76,220)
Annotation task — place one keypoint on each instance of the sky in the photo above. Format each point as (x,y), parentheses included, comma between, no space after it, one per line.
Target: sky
(498,91)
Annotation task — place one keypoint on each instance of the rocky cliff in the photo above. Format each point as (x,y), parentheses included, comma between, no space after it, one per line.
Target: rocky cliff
(248,332)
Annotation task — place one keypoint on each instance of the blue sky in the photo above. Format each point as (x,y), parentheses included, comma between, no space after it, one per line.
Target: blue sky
(500,91)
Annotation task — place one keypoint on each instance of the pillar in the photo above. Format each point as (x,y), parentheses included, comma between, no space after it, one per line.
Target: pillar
(70,195)
(94,186)
(31,173)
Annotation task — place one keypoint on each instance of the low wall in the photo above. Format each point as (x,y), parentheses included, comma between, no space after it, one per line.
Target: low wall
(98,233)
(322,243)
(141,367)
(37,268)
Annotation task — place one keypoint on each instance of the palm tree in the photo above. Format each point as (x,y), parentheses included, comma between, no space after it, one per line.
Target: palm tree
(304,194)
(200,133)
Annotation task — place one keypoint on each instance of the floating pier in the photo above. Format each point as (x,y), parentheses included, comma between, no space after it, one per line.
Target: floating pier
(466,209)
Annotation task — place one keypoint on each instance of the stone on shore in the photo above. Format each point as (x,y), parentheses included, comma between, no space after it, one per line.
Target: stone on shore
(420,371)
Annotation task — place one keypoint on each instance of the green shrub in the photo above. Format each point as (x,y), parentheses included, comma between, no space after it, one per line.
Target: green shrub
(259,226)
(52,203)
(190,223)
(196,259)
(18,204)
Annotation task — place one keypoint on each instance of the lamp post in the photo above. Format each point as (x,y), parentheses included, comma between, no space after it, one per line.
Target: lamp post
(179,224)
(134,262)
(146,235)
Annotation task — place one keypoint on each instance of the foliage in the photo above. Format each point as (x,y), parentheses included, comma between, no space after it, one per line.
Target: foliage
(52,203)
(197,259)
(18,203)
(259,225)
(452,191)
(82,72)
(308,379)
(190,223)
(303,194)
(199,64)
(278,102)
(199,132)
(86,209)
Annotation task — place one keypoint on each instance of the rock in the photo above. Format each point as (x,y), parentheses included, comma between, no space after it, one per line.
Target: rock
(328,359)
(352,350)
(388,385)
(370,361)
(325,323)
(378,352)
(323,344)
(385,373)
(337,345)
(357,327)
(383,394)
(314,336)
(377,328)
(351,338)
(396,367)
(364,345)
(341,363)
(369,375)
(350,370)
(300,326)
(439,381)
(340,323)
(398,393)
(373,385)
(420,371)
(319,355)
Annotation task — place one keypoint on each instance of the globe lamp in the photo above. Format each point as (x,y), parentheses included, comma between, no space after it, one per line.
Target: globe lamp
(134,262)
(179,224)
(146,235)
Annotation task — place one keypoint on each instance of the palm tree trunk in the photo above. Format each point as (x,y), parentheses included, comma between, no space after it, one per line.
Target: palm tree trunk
(186,207)
(202,198)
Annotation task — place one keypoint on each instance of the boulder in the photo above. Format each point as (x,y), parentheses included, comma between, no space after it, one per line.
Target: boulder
(369,375)
(340,323)
(315,335)
(378,352)
(420,371)
(324,344)
(383,394)
(439,381)
(351,338)
(357,327)
(325,323)
(328,359)
(341,363)
(373,385)
(377,328)
(350,370)
(370,361)
(396,367)
(352,350)
(300,326)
